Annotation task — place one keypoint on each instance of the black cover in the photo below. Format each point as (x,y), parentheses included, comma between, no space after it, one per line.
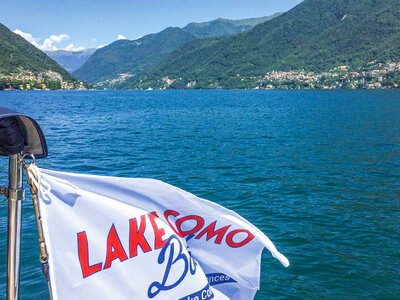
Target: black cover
(19,133)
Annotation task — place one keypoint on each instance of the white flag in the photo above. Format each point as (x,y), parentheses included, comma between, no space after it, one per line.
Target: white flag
(123,238)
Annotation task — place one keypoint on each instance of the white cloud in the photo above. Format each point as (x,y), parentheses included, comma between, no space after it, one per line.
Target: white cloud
(59,38)
(28,37)
(71,47)
(94,40)
(121,37)
(50,43)
(139,37)
(101,46)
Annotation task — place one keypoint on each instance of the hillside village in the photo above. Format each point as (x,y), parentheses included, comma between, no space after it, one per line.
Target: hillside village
(373,76)
(231,56)
(48,80)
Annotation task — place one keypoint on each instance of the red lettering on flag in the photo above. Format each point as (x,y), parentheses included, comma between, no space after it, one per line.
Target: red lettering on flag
(211,232)
(230,242)
(199,224)
(158,233)
(83,253)
(114,248)
(167,213)
(136,237)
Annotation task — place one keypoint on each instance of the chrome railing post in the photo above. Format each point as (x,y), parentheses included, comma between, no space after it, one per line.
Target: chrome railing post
(15,196)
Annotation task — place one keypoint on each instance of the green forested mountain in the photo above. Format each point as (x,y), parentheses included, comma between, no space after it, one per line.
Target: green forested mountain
(219,27)
(222,27)
(316,35)
(125,56)
(133,57)
(16,55)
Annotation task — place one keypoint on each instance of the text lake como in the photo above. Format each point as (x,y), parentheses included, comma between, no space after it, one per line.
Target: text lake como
(317,171)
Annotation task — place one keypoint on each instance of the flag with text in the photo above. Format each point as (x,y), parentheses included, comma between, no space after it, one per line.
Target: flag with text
(124,238)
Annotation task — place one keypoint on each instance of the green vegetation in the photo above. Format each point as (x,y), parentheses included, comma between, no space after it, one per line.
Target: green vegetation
(29,85)
(23,66)
(223,27)
(18,54)
(42,84)
(315,36)
(125,56)
(121,59)
(253,21)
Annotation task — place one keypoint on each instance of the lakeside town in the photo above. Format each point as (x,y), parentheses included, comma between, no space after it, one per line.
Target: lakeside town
(28,80)
(375,75)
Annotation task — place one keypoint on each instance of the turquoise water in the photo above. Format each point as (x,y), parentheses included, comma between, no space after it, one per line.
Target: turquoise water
(318,172)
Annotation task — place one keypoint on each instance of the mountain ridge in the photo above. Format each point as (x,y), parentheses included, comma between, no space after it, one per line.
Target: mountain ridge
(126,58)
(314,36)
(23,66)
(17,54)
(223,27)
(71,60)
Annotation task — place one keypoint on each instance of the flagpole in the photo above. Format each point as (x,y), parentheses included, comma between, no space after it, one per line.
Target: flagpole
(33,180)
(15,197)
(18,134)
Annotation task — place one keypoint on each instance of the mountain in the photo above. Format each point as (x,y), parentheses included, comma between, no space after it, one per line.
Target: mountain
(18,55)
(70,60)
(253,21)
(314,36)
(223,27)
(124,58)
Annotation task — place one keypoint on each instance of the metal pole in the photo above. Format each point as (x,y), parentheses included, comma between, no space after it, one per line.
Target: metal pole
(15,195)
(44,256)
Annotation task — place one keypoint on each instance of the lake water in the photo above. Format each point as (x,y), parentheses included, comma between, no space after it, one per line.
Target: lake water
(318,172)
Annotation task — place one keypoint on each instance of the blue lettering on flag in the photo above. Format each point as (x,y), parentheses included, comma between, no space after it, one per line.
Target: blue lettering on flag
(189,266)
(204,294)
(218,278)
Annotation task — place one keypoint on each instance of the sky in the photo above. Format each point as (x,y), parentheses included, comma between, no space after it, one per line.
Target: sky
(80,24)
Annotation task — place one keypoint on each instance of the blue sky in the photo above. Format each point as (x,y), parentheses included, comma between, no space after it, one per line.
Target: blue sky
(78,24)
